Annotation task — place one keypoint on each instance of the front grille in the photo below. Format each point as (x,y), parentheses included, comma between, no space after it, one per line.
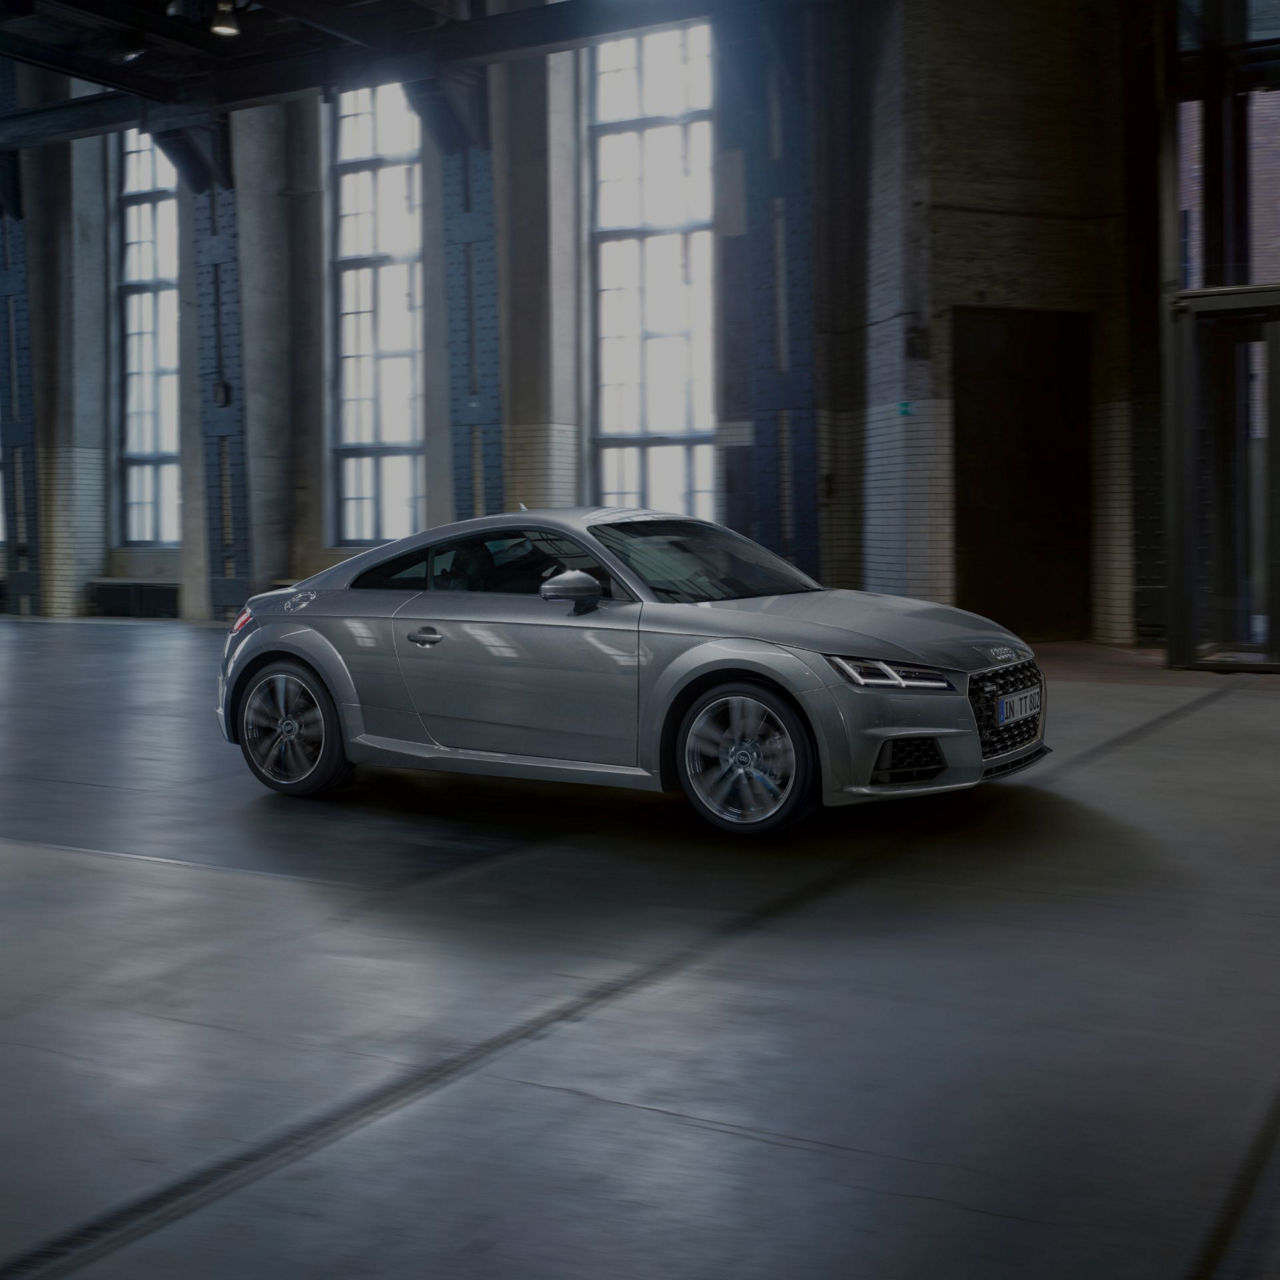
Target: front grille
(908,760)
(985,687)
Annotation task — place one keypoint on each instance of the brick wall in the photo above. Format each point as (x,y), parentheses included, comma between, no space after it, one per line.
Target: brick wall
(1005,163)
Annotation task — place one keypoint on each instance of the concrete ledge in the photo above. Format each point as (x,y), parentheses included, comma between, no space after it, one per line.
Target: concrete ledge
(132,597)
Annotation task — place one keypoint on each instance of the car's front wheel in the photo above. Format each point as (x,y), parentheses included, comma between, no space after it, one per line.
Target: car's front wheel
(289,730)
(744,759)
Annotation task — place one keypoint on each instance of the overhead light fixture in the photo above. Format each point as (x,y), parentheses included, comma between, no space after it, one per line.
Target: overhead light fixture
(182,9)
(225,22)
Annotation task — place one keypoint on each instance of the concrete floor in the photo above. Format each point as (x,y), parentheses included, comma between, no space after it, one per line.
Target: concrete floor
(465,1028)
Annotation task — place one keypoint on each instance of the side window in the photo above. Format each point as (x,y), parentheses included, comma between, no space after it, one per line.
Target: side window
(511,563)
(404,573)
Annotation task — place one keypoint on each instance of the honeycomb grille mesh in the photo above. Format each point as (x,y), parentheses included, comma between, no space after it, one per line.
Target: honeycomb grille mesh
(908,760)
(985,690)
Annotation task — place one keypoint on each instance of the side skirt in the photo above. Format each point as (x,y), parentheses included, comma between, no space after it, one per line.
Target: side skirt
(397,753)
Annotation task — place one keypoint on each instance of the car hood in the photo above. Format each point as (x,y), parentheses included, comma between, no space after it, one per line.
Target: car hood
(859,624)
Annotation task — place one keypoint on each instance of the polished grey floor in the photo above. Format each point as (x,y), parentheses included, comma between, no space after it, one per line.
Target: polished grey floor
(463,1028)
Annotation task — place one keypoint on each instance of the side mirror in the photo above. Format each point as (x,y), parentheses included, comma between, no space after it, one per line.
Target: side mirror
(573,585)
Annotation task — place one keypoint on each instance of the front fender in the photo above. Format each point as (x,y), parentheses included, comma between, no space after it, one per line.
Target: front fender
(292,640)
(669,664)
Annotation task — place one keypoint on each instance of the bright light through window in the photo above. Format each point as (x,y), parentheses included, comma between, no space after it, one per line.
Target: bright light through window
(651,143)
(148,310)
(378,431)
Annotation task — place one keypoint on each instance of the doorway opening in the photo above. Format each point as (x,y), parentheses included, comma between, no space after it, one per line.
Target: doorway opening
(1225,563)
(1023,477)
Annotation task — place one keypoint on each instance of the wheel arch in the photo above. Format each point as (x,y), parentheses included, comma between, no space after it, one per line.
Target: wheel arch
(264,657)
(703,682)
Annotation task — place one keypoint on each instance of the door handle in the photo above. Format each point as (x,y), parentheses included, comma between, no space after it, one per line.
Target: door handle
(425,636)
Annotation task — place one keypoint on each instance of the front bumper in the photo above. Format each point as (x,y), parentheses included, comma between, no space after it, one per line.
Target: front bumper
(859,722)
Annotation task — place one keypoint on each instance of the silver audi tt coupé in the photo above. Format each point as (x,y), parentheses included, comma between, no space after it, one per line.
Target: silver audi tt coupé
(629,648)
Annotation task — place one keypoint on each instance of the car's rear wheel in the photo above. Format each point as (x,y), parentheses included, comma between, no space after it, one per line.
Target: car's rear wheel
(744,759)
(289,730)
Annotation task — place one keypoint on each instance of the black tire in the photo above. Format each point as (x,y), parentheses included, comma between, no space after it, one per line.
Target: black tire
(289,730)
(742,783)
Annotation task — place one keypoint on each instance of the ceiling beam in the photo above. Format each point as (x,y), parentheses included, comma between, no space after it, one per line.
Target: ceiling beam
(325,17)
(552,28)
(188,37)
(70,63)
(569,24)
(90,116)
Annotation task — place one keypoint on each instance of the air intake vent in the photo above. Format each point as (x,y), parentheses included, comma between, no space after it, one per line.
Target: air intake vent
(908,760)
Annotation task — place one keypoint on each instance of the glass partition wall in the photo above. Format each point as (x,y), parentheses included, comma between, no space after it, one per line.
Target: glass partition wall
(1223,386)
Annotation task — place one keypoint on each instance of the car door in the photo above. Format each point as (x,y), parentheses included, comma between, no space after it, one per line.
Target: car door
(359,623)
(491,666)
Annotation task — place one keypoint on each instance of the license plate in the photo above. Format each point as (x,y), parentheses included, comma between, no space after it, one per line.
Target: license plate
(1018,706)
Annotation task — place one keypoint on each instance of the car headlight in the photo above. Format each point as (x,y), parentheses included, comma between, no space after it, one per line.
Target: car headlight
(889,675)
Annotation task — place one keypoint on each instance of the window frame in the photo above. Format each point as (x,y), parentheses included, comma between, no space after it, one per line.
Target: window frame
(337,452)
(600,442)
(622,590)
(126,461)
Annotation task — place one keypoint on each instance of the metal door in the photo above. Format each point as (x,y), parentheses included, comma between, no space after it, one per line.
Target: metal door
(1225,484)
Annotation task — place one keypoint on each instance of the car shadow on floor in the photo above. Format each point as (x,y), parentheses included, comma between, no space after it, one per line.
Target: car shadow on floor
(987,832)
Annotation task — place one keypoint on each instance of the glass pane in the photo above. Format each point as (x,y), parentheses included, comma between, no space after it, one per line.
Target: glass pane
(167,329)
(399,515)
(664,83)
(398,209)
(699,180)
(1264,187)
(668,483)
(168,507)
(167,239)
(397,122)
(1264,19)
(613,55)
(167,415)
(620,264)
(1190,195)
(1234,502)
(357,499)
(620,410)
(620,477)
(666,385)
(395,399)
(665,195)
(139,504)
(397,317)
(619,360)
(698,71)
(618,95)
(666,296)
(619,313)
(166,176)
(355,136)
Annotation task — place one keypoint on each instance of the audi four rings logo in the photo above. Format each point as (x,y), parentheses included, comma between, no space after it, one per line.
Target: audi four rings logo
(1002,653)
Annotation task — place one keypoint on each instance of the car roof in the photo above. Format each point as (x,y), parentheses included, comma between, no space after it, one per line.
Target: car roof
(567,519)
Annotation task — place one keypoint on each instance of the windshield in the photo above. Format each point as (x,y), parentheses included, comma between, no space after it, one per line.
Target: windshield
(684,562)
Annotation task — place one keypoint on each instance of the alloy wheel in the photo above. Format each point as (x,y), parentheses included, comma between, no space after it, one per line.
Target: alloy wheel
(740,759)
(284,728)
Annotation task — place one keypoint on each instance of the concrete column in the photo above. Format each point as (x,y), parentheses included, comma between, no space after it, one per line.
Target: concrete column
(260,156)
(193,583)
(535,125)
(65,196)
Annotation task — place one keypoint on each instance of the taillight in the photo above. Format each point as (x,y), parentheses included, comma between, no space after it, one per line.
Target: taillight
(241,619)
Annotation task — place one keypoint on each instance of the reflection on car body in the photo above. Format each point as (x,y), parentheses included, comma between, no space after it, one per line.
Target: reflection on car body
(629,648)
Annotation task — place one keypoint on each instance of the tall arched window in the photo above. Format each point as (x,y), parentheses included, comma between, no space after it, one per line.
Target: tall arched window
(148,311)
(652,262)
(378,430)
